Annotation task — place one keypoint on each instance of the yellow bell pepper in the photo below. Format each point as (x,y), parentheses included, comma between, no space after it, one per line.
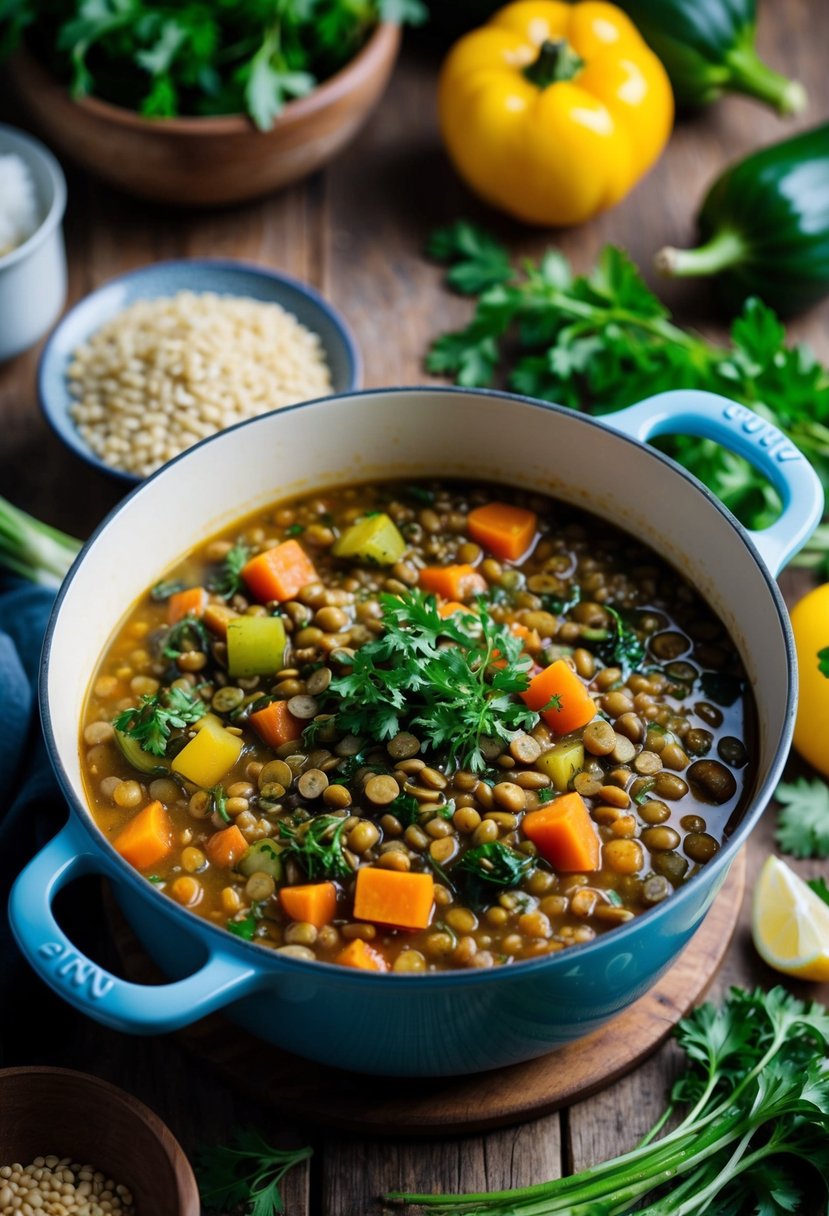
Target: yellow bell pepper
(553,111)
(210,755)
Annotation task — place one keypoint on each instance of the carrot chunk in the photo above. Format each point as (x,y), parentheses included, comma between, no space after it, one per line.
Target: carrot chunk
(359,954)
(191,602)
(452,582)
(217,616)
(279,573)
(226,847)
(505,530)
(393,897)
(315,903)
(450,608)
(569,705)
(564,834)
(147,838)
(275,724)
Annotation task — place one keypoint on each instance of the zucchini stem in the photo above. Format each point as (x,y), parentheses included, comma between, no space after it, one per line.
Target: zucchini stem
(748,74)
(724,249)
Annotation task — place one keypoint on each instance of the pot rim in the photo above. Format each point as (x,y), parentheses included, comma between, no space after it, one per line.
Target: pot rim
(269,960)
(381,43)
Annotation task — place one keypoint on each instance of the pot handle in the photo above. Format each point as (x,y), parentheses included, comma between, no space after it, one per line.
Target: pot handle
(135,1008)
(736,427)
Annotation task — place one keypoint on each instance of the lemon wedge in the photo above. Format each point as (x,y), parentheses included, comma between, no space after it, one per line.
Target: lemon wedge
(790,923)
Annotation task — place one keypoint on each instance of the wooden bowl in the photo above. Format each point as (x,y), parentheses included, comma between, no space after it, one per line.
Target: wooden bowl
(72,1114)
(199,162)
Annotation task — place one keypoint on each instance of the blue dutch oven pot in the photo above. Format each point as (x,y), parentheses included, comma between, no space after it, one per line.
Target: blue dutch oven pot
(435,1023)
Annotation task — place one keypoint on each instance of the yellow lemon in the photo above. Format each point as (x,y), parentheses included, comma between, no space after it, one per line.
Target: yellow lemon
(790,923)
(810,625)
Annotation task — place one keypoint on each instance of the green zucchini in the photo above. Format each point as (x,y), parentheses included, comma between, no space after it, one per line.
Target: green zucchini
(707,47)
(137,758)
(764,227)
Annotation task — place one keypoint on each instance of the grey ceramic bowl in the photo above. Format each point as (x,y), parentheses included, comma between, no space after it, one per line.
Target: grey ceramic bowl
(33,276)
(165,279)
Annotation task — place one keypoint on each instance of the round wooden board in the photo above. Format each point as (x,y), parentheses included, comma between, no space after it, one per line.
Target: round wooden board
(313,1093)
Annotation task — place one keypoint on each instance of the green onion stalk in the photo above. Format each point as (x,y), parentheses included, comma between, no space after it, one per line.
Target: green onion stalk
(34,550)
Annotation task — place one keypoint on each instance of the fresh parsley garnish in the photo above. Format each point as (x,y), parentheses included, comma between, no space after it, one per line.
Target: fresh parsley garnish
(545,795)
(246,1174)
(619,646)
(435,678)
(244,928)
(218,799)
(163,590)
(753,1137)
(152,720)
(803,822)
(603,341)
(187,634)
(486,868)
(295,530)
(405,808)
(316,845)
(227,580)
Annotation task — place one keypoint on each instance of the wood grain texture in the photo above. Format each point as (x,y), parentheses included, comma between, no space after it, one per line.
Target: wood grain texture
(356,231)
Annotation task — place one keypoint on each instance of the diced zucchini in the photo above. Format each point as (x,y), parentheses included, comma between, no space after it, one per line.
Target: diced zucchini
(261,858)
(255,645)
(209,756)
(562,762)
(137,758)
(374,539)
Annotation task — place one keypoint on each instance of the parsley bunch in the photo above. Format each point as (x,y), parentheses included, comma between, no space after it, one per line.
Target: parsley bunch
(227,579)
(163,58)
(152,720)
(246,1174)
(602,341)
(435,678)
(755,1134)
(803,822)
(317,846)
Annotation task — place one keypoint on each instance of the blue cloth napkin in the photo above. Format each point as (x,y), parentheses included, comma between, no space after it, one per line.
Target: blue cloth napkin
(31,806)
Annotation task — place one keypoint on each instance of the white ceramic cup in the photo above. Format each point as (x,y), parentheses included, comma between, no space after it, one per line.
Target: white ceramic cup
(33,276)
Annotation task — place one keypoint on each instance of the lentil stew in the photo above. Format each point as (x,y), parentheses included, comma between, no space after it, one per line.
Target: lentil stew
(418,727)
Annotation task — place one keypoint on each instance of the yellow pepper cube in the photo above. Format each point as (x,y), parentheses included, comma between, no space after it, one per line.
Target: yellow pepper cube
(562,763)
(255,645)
(209,756)
(374,539)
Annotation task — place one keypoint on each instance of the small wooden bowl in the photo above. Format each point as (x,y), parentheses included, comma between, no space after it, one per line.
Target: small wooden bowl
(201,162)
(56,1111)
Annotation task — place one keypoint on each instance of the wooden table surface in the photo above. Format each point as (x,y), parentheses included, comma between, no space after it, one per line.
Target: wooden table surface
(356,232)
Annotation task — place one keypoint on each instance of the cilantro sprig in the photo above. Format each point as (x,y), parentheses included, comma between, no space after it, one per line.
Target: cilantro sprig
(227,579)
(435,678)
(246,1174)
(317,846)
(489,868)
(803,821)
(151,722)
(603,340)
(753,1138)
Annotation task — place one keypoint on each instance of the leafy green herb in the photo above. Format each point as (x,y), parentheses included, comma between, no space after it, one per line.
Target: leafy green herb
(820,888)
(244,928)
(317,846)
(434,677)
(619,646)
(227,580)
(803,822)
(644,791)
(823,661)
(488,868)
(420,494)
(602,341)
(246,1174)
(754,1136)
(152,720)
(219,802)
(156,879)
(545,795)
(163,59)
(295,530)
(406,808)
(163,590)
(721,687)
(187,634)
